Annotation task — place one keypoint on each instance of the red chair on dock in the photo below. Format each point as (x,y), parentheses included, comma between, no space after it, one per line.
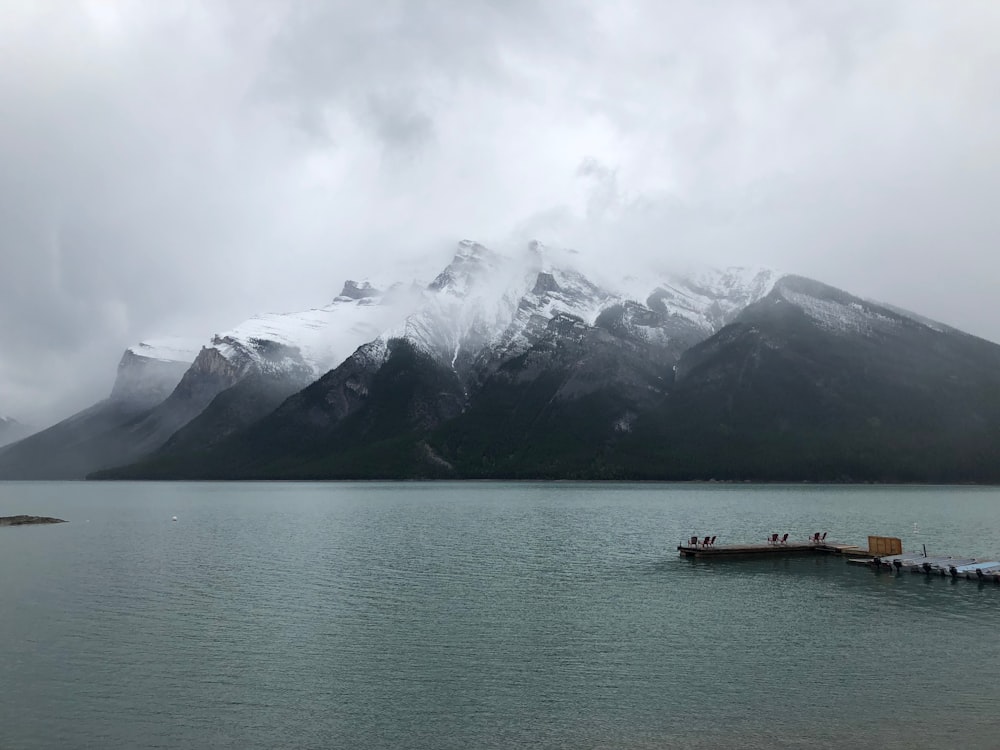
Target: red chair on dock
(708,541)
(693,541)
(784,539)
(823,538)
(712,543)
(814,538)
(773,539)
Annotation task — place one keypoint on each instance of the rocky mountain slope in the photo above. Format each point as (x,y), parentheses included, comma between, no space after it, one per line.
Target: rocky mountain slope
(533,370)
(482,309)
(163,385)
(524,365)
(811,383)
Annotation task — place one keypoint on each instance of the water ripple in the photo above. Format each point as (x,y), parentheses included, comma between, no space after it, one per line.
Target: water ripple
(486,616)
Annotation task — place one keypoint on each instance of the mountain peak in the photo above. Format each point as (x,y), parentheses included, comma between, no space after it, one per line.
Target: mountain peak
(545,282)
(358,290)
(470,248)
(472,261)
(527,362)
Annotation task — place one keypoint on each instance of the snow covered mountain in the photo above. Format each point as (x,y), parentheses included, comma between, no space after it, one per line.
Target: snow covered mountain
(711,298)
(482,300)
(487,304)
(524,364)
(526,368)
(481,310)
(312,341)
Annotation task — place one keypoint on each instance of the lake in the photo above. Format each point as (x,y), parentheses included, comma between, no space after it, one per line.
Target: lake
(488,615)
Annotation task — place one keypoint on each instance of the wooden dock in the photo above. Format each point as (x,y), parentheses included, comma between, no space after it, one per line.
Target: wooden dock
(882,553)
(771,549)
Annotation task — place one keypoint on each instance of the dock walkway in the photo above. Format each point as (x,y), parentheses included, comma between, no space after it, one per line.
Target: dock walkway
(874,556)
(771,549)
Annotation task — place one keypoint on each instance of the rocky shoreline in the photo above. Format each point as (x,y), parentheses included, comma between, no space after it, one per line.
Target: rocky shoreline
(27,520)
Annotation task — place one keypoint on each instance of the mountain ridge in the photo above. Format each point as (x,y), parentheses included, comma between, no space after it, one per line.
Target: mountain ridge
(520,365)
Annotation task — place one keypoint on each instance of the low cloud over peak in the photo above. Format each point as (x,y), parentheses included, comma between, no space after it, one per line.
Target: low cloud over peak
(175,168)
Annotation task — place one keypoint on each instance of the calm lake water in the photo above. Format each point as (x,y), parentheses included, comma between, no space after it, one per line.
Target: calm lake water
(487,615)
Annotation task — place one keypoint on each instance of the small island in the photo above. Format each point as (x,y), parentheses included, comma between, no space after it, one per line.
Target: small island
(27,520)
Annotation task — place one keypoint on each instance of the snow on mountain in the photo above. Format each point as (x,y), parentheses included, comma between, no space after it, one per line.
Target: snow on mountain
(467,304)
(709,297)
(556,291)
(849,317)
(315,340)
(481,299)
(167,349)
(844,313)
(934,325)
(488,299)
(484,299)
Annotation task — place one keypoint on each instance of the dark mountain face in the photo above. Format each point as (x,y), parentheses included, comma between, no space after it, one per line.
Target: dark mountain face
(453,346)
(808,383)
(232,410)
(527,368)
(364,419)
(559,408)
(813,384)
(552,407)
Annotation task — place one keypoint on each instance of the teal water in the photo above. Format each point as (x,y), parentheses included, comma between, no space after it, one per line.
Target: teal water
(487,615)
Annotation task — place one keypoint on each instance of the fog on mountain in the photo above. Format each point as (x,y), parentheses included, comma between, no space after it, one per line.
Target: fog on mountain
(519,365)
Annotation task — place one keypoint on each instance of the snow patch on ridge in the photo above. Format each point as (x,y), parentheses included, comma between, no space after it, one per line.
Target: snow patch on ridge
(324,337)
(852,317)
(167,349)
(319,339)
(709,298)
(482,299)
(467,304)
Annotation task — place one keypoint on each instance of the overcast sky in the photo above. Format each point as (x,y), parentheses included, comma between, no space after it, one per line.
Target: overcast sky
(174,167)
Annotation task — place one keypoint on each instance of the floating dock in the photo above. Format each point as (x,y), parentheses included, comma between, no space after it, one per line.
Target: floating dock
(771,549)
(882,553)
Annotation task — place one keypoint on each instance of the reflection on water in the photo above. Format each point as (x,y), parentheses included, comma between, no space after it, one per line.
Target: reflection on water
(487,616)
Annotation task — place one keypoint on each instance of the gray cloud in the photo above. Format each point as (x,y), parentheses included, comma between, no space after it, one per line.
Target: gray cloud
(173,168)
